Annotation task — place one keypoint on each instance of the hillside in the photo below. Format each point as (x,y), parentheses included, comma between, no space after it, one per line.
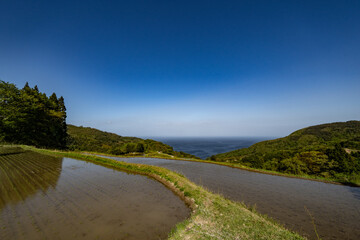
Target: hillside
(94,140)
(329,150)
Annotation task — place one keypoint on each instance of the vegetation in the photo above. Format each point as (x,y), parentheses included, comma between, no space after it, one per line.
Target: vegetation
(93,140)
(213,216)
(28,116)
(329,151)
(5,150)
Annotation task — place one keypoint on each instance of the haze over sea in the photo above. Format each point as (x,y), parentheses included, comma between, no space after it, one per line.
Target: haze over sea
(204,147)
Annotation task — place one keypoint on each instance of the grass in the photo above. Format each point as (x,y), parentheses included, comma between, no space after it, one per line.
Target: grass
(213,216)
(354,181)
(142,155)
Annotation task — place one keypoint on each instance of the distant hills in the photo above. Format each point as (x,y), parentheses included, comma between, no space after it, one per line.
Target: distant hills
(94,140)
(328,150)
(30,117)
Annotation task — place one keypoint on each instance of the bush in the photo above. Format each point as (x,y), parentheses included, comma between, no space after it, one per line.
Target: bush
(292,166)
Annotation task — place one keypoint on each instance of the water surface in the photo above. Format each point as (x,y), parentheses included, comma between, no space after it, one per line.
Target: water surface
(335,208)
(43,197)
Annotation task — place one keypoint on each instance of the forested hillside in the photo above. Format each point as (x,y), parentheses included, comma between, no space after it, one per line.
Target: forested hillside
(94,140)
(328,150)
(28,116)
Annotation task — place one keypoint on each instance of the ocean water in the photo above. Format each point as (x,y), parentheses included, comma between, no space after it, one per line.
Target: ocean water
(204,147)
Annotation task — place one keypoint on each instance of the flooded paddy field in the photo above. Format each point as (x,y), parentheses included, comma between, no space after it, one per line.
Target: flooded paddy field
(44,197)
(292,202)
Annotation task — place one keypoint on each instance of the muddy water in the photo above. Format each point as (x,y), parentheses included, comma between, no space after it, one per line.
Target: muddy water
(335,208)
(61,198)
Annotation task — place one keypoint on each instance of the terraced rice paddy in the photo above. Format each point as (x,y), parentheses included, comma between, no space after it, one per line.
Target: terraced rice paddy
(44,197)
(334,208)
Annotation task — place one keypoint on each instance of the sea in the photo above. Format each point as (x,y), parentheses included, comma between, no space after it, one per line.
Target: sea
(204,147)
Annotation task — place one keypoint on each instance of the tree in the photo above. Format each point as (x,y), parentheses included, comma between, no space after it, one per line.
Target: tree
(63,126)
(130,147)
(316,162)
(139,147)
(28,116)
(10,116)
(345,163)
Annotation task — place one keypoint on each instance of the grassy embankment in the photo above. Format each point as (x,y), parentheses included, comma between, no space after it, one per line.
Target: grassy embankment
(309,153)
(142,155)
(328,152)
(353,182)
(213,216)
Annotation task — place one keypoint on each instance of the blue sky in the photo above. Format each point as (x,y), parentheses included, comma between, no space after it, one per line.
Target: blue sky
(188,68)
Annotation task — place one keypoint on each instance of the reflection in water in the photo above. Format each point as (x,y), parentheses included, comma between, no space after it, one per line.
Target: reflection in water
(355,191)
(335,208)
(23,174)
(85,201)
(10,150)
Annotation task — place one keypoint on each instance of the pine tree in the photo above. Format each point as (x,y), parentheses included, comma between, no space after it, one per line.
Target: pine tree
(63,126)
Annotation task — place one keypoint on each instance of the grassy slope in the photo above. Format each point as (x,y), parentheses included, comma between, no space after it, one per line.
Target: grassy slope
(213,216)
(238,166)
(93,136)
(94,140)
(227,164)
(316,138)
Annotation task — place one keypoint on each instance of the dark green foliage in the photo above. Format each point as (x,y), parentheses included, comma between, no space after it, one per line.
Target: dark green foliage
(28,116)
(93,140)
(325,150)
(139,147)
(343,162)
(90,139)
(356,154)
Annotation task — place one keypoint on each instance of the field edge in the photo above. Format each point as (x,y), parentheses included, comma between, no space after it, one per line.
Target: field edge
(212,217)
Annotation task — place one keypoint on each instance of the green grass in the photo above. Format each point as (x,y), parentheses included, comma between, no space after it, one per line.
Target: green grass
(213,216)
(351,181)
(355,181)
(94,140)
(328,152)
(142,155)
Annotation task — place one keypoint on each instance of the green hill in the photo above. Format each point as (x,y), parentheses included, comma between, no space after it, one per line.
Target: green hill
(94,140)
(329,150)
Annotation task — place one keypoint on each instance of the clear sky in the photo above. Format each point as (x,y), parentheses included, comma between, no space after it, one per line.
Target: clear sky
(188,68)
